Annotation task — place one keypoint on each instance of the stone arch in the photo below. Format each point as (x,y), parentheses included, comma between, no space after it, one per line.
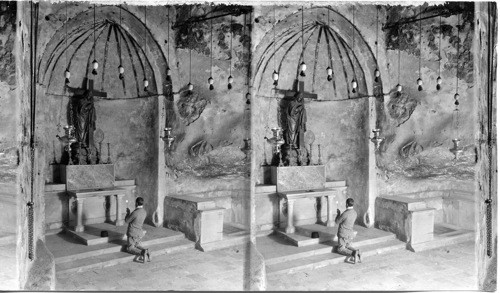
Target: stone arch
(72,47)
(332,39)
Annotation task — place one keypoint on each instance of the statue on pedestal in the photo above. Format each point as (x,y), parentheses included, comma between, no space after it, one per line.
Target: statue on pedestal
(295,122)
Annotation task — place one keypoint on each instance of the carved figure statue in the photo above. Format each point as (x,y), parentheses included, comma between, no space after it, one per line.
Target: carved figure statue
(85,119)
(295,122)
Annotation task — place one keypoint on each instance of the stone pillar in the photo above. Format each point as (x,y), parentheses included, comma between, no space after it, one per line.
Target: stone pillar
(290,228)
(330,220)
(158,214)
(119,206)
(79,215)
(486,18)
(369,213)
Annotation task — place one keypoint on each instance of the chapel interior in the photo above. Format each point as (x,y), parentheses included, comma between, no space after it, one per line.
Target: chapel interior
(245,125)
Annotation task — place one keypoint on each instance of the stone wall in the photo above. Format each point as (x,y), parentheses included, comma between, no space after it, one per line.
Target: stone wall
(208,157)
(418,126)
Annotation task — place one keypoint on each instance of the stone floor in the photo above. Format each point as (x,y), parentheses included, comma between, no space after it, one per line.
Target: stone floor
(446,268)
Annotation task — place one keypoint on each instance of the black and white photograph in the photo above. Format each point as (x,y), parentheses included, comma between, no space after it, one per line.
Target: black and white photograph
(248,145)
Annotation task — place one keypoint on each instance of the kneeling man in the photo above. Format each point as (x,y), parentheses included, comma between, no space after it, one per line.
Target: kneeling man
(135,220)
(346,233)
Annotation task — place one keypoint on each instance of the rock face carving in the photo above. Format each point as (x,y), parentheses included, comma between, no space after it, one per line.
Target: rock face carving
(400,108)
(190,106)
(410,149)
(200,148)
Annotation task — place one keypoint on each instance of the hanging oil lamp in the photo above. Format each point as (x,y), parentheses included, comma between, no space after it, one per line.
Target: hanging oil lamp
(354,85)
(303,65)
(210,79)
(419,80)
(121,72)
(95,66)
(248,96)
(210,83)
(377,72)
(419,83)
(230,82)
(190,87)
(67,75)
(438,79)
(377,75)
(329,73)
(146,84)
(303,68)
(456,150)
(275,78)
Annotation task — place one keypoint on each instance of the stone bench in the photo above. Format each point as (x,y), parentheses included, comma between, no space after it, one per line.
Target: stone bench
(408,218)
(198,218)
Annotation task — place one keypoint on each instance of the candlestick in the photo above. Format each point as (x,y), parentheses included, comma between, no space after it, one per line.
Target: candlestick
(109,156)
(265,156)
(311,154)
(99,153)
(54,151)
(319,155)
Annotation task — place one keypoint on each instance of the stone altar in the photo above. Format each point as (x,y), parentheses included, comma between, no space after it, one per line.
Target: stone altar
(86,182)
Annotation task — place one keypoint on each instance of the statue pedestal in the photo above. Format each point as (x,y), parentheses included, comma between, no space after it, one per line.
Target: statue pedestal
(298,177)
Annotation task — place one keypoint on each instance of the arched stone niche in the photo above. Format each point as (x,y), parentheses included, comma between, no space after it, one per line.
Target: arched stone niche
(327,38)
(127,42)
(130,117)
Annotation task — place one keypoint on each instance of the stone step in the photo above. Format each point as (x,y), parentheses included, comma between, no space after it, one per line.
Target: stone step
(117,246)
(322,260)
(227,241)
(446,239)
(327,247)
(114,258)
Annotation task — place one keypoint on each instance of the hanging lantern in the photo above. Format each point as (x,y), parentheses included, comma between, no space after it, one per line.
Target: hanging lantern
(303,68)
(354,84)
(229,82)
(95,65)
(377,75)
(419,83)
(438,81)
(456,97)
(146,84)
(248,96)
(329,72)
(211,83)
(121,71)
(190,87)
(399,88)
(276,76)
(169,72)
(67,75)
